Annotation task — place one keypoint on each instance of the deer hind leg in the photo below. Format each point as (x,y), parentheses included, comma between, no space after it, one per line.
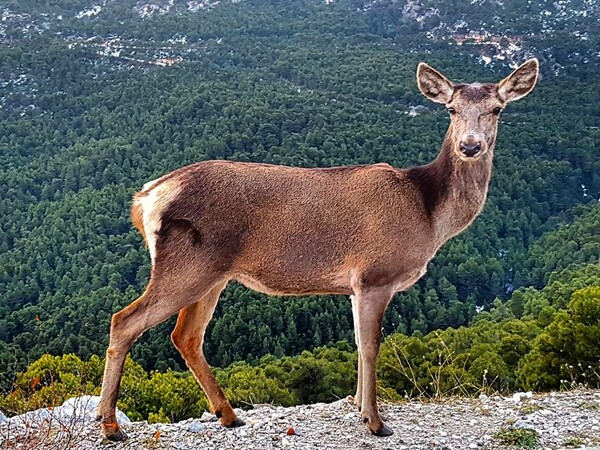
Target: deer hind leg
(175,283)
(126,326)
(188,337)
(358,396)
(369,310)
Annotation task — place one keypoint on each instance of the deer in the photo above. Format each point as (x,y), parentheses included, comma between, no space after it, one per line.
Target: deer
(366,231)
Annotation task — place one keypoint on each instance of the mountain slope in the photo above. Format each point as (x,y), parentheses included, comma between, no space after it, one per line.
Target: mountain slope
(95,106)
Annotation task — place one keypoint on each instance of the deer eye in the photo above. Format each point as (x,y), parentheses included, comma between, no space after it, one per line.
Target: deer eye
(451,110)
(497,110)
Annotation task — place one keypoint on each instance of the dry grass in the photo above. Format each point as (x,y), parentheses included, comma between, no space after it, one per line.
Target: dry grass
(47,429)
(443,383)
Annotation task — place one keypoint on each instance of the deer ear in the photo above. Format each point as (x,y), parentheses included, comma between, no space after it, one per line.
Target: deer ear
(434,85)
(519,83)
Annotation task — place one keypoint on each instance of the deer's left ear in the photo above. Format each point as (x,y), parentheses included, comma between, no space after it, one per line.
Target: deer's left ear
(519,83)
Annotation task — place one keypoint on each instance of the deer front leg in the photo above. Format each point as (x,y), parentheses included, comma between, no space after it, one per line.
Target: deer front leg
(358,396)
(369,310)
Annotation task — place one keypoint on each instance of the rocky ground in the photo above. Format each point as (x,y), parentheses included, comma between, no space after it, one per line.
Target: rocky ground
(563,420)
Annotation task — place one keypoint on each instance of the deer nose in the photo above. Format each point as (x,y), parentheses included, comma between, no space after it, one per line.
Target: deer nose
(470,149)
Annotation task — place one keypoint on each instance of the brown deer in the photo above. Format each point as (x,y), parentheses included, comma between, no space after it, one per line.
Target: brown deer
(368,231)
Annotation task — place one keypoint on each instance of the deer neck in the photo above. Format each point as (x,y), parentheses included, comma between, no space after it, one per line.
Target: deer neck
(455,189)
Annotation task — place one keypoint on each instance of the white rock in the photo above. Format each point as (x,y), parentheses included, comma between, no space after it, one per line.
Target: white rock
(196,427)
(523,424)
(3,417)
(84,408)
(74,410)
(31,418)
(208,417)
(519,395)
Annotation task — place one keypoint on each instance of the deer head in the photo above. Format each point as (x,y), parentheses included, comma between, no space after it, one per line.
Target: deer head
(475,108)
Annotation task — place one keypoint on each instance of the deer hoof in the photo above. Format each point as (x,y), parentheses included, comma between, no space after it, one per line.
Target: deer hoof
(117,436)
(383,432)
(236,423)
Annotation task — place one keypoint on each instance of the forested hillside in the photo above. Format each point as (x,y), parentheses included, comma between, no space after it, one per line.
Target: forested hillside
(98,98)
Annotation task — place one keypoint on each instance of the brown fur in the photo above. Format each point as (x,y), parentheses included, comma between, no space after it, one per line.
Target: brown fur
(368,231)
(477,92)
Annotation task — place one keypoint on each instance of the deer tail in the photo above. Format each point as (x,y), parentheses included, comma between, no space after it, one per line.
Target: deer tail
(137,216)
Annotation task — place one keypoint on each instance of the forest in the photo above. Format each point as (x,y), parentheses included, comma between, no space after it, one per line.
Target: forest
(302,83)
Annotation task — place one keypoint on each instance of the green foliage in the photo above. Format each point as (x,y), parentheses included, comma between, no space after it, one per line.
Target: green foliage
(530,303)
(174,396)
(323,375)
(248,385)
(465,361)
(566,352)
(51,380)
(518,437)
(160,397)
(573,442)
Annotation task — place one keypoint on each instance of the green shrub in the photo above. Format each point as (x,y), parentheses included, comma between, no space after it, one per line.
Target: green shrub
(518,437)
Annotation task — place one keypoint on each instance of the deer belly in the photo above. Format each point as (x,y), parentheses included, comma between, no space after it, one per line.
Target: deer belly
(274,283)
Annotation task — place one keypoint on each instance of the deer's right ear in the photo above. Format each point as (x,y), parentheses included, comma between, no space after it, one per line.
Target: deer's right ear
(434,85)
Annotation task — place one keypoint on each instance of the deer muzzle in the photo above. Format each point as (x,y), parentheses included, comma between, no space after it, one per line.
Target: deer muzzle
(471,145)
(470,150)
